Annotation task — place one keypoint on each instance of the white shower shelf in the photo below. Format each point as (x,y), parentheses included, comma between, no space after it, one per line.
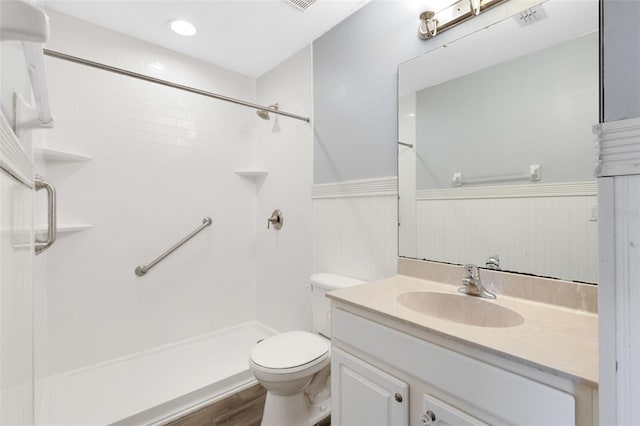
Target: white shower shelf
(59,155)
(252,173)
(65,228)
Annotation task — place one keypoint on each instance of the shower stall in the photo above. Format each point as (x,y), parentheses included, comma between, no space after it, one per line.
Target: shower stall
(133,322)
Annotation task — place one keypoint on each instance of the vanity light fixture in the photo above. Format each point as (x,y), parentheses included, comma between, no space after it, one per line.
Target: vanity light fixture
(428,25)
(182,27)
(432,23)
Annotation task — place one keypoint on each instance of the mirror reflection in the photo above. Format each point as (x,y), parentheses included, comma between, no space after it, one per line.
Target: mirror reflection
(496,152)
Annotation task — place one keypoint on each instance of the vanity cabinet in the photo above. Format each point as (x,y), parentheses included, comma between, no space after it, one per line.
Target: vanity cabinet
(440,380)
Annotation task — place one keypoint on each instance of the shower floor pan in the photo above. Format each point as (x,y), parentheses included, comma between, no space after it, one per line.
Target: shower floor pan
(154,386)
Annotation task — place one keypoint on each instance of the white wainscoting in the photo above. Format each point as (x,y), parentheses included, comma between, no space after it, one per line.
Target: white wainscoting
(546,229)
(619,289)
(355,229)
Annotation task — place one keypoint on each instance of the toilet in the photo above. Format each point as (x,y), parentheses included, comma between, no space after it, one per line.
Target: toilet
(294,367)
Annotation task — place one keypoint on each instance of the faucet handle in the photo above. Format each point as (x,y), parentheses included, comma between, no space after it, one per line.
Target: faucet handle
(472,284)
(471,271)
(493,262)
(276,219)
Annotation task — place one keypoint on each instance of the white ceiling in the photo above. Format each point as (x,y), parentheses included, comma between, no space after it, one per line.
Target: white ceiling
(247,36)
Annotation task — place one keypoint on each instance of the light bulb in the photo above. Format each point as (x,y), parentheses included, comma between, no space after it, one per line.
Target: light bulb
(182,27)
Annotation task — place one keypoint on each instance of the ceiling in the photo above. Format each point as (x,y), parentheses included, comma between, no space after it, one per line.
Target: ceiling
(247,36)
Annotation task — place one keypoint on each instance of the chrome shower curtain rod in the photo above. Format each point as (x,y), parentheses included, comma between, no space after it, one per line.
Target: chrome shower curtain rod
(121,71)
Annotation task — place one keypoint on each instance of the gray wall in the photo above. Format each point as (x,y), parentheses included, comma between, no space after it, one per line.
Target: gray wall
(536,109)
(355,87)
(621,62)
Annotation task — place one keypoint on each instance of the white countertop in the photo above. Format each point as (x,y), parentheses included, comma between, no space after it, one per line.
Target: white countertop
(555,338)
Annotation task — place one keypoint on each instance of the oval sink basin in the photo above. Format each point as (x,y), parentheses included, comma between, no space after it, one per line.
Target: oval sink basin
(460,308)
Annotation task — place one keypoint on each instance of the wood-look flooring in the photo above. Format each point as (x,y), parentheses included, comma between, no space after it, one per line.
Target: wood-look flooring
(240,409)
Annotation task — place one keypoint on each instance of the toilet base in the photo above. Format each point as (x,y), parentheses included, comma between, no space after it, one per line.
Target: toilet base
(293,410)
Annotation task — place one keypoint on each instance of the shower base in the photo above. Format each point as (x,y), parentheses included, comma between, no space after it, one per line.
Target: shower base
(154,386)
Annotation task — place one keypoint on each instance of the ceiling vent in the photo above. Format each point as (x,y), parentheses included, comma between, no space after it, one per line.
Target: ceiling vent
(530,16)
(301,4)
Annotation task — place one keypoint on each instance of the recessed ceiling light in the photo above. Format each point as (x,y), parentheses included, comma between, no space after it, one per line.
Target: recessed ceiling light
(182,27)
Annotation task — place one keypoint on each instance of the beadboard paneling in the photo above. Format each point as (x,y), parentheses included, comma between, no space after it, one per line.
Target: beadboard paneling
(618,296)
(550,236)
(356,235)
(627,296)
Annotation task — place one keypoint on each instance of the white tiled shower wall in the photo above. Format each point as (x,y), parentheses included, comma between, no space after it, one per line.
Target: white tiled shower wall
(162,160)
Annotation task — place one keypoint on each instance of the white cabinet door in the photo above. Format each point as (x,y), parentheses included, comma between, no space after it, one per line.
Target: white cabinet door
(364,395)
(439,413)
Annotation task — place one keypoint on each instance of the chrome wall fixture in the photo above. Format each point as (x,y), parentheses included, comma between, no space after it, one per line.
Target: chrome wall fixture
(433,23)
(42,245)
(276,219)
(143,269)
(264,114)
(104,67)
(493,262)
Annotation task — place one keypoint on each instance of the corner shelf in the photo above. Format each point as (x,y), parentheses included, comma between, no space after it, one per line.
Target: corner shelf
(65,229)
(59,155)
(252,173)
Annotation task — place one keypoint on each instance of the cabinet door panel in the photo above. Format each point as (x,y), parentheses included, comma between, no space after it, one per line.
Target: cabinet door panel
(365,395)
(443,414)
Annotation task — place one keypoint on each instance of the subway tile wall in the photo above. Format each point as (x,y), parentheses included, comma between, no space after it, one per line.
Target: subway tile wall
(162,160)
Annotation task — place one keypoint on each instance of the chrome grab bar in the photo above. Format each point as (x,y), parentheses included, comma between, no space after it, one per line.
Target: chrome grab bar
(143,269)
(42,245)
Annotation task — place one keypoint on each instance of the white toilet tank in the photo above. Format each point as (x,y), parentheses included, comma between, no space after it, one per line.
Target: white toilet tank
(321,284)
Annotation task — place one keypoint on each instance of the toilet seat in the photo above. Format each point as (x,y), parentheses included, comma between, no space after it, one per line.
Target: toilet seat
(289,352)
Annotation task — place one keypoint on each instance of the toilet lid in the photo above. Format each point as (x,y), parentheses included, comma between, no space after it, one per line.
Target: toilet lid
(288,350)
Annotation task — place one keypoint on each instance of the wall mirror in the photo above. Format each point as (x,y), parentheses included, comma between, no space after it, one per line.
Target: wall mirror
(496,152)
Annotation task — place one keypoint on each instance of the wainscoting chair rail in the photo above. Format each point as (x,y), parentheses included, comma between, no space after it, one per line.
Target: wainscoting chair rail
(143,269)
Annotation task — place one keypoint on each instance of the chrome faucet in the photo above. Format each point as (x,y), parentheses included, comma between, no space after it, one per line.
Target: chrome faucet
(472,283)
